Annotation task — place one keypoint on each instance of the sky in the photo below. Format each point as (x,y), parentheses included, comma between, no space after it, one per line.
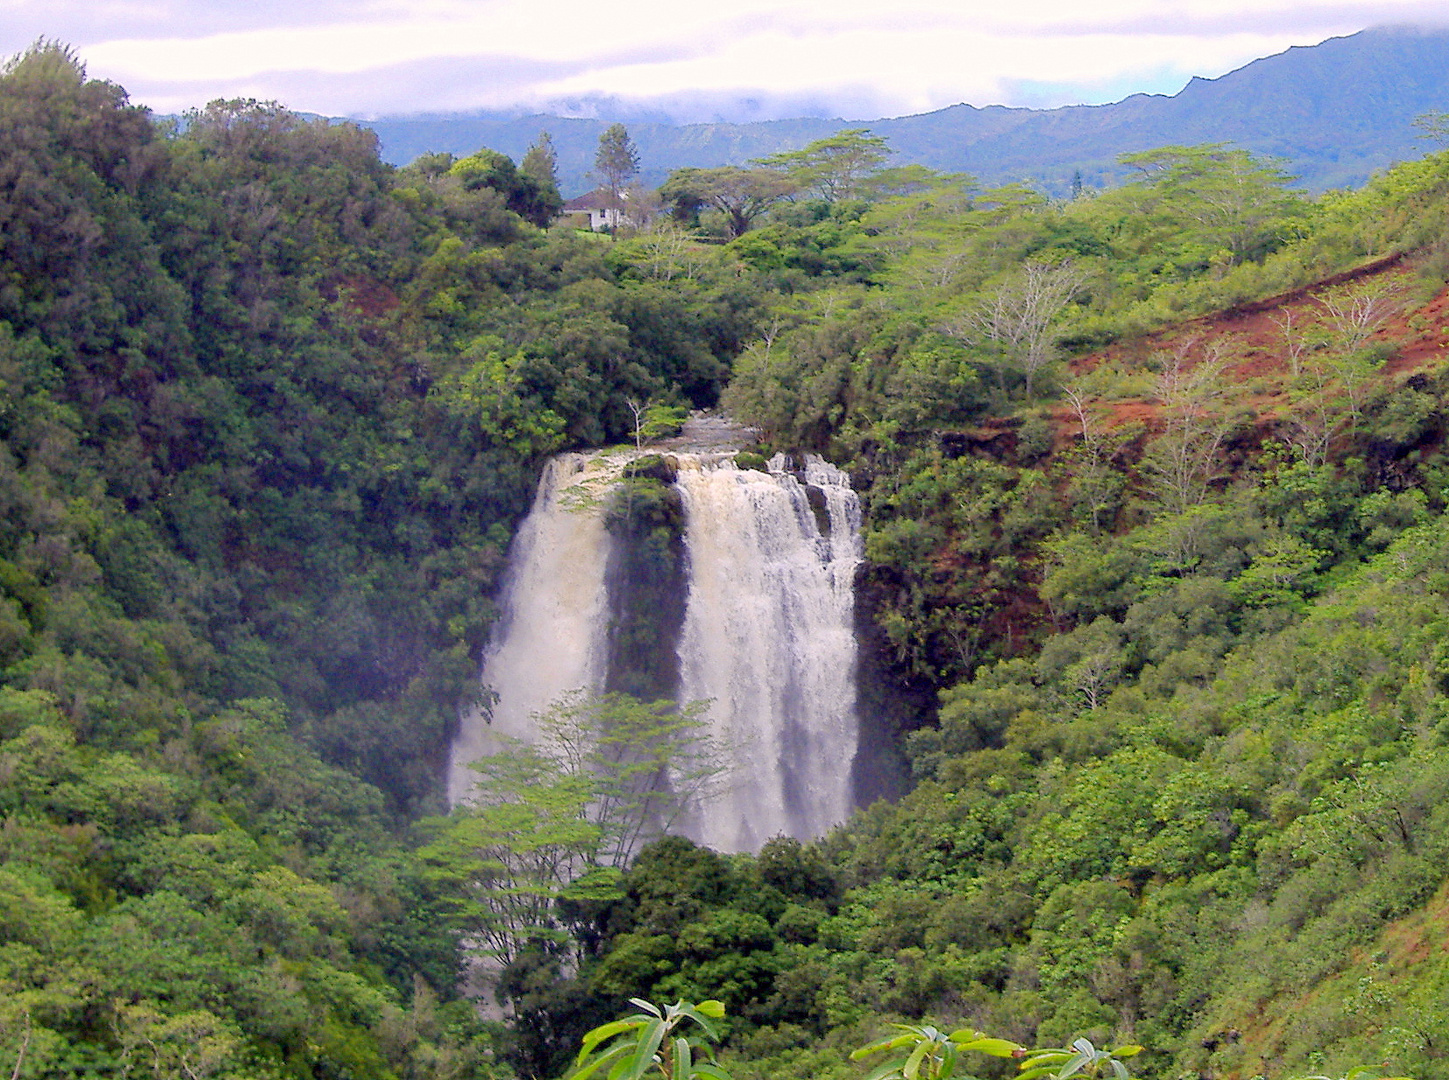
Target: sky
(725,59)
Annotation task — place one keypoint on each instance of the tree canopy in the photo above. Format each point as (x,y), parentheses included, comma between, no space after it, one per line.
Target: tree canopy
(740,195)
(837,167)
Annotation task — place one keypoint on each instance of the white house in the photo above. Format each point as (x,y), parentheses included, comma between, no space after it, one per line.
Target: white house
(599,208)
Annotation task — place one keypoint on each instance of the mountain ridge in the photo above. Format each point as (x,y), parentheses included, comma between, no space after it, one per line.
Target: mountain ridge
(1336,112)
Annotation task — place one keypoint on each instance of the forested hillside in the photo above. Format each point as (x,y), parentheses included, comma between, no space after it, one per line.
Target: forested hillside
(270,411)
(1156,585)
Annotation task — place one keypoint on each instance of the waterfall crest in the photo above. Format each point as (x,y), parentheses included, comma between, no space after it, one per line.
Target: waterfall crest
(767,634)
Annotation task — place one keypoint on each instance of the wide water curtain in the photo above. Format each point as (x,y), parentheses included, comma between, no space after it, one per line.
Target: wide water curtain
(769,638)
(769,560)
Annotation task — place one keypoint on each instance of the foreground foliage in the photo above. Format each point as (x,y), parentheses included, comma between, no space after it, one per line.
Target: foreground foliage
(645,1044)
(931,1053)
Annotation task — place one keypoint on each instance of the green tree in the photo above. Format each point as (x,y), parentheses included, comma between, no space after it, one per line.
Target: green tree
(558,820)
(740,195)
(837,167)
(492,397)
(536,201)
(1433,126)
(654,420)
(194,1044)
(505,859)
(1234,199)
(540,162)
(647,762)
(616,161)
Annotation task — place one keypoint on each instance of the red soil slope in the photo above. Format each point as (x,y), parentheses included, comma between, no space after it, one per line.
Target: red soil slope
(1251,338)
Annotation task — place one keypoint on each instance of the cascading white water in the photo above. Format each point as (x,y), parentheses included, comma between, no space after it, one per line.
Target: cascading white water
(769,639)
(768,634)
(552,635)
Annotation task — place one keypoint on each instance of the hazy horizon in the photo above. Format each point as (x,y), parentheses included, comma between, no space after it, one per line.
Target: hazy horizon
(740,60)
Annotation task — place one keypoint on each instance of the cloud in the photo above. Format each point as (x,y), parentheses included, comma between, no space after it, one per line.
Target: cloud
(87,22)
(918,69)
(370,57)
(442,85)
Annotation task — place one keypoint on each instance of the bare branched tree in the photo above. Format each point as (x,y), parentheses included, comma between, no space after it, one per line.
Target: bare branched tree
(1310,428)
(1095,483)
(1294,331)
(1183,461)
(667,252)
(1019,316)
(1357,310)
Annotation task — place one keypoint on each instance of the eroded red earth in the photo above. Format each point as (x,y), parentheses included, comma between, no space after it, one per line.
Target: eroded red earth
(1254,348)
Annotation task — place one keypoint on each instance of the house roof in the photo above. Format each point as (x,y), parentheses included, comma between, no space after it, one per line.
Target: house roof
(598,199)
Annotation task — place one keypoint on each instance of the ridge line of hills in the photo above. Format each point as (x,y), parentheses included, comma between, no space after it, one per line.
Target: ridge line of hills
(1335,112)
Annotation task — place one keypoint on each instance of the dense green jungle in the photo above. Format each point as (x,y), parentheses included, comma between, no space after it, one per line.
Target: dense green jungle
(1157,583)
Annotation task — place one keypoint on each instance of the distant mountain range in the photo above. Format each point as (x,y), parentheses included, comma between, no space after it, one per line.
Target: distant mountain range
(1335,112)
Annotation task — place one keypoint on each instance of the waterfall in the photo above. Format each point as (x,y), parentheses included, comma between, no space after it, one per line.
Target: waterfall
(551,637)
(769,639)
(767,634)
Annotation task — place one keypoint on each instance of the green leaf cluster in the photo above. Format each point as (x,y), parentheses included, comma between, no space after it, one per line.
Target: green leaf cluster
(645,1044)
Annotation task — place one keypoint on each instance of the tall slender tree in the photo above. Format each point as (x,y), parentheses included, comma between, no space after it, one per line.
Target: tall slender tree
(540,161)
(617,161)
